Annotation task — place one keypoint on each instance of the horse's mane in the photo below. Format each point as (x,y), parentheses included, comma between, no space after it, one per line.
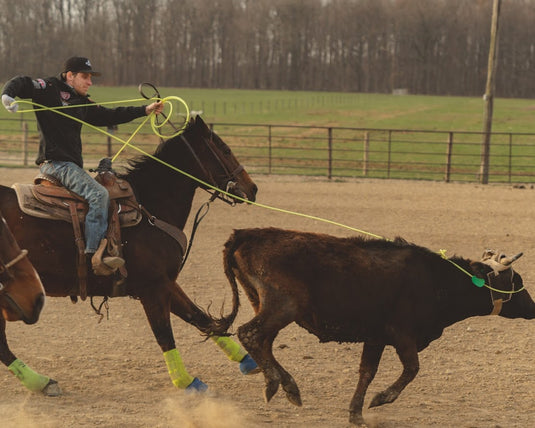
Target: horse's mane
(167,149)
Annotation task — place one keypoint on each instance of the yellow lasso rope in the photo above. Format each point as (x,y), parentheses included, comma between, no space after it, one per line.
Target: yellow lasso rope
(155,128)
(61,113)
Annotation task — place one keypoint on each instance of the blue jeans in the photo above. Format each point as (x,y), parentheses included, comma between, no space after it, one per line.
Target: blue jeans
(77,180)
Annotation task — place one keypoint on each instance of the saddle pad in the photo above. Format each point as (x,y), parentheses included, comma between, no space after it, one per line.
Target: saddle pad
(33,207)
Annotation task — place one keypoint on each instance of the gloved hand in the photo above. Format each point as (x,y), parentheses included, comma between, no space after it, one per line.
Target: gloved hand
(7,101)
(103,166)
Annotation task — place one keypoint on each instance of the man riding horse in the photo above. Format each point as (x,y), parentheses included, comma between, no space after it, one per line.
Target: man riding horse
(60,146)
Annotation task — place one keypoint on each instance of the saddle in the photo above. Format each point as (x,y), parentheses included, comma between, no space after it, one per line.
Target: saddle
(47,198)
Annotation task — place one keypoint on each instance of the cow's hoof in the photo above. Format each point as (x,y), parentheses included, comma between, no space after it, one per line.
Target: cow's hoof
(294,396)
(272,387)
(249,366)
(196,386)
(52,389)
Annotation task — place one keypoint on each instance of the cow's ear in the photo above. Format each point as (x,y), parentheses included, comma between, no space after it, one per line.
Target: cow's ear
(479,269)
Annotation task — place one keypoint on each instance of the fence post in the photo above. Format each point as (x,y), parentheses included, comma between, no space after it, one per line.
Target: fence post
(448,157)
(365,153)
(269,149)
(330,136)
(110,130)
(510,156)
(24,143)
(389,153)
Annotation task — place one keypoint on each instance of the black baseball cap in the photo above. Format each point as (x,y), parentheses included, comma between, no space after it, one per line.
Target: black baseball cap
(79,64)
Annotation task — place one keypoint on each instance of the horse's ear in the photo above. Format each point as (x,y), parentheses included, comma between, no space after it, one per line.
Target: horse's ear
(198,120)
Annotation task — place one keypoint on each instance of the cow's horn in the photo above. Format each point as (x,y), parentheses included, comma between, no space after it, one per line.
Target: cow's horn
(506,261)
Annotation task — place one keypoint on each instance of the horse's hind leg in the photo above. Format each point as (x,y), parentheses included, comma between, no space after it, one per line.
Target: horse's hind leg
(183,307)
(237,353)
(257,336)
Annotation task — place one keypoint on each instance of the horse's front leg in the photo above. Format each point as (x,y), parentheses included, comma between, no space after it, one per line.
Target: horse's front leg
(183,307)
(29,378)
(157,310)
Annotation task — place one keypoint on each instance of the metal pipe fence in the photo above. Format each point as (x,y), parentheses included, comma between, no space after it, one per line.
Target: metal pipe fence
(332,152)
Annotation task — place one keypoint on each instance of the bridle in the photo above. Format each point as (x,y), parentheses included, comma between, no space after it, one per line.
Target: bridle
(230,173)
(228,177)
(228,182)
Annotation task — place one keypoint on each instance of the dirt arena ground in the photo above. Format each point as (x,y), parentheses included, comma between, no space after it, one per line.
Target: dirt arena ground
(480,373)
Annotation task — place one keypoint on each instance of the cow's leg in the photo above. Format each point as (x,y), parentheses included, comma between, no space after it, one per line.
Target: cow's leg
(369,362)
(182,306)
(408,356)
(157,310)
(29,378)
(257,336)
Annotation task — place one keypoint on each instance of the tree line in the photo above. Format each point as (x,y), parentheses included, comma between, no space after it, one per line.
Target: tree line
(436,47)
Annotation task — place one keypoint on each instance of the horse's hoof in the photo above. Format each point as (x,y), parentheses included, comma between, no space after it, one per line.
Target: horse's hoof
(249,366)
(357,419)
(384,397)
(196,386)
(52,389)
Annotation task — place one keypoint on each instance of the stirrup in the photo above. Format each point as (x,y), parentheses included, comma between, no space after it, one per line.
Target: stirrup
(107,265)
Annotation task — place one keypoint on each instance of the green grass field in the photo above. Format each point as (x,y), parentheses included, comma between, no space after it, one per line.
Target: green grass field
(345,109)
(340,109)
(302,150)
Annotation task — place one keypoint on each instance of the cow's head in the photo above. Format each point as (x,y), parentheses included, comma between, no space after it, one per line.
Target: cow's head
(505,285)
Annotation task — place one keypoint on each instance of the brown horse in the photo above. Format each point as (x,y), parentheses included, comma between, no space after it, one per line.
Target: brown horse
(22,297)
(153,257)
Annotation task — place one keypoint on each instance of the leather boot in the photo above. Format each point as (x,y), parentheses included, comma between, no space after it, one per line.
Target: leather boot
(105,266)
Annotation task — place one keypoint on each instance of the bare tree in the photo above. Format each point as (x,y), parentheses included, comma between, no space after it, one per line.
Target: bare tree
(426,46)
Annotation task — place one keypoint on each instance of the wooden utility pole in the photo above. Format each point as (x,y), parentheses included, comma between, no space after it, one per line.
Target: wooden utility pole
(489,94)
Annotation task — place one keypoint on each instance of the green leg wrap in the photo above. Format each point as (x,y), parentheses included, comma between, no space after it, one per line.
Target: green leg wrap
(233,350)
(30,379)
(179,376)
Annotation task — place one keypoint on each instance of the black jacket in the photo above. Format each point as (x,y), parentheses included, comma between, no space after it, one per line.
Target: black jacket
(60,136)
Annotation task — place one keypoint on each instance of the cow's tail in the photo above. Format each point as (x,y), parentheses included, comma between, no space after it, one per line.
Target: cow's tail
(224,323)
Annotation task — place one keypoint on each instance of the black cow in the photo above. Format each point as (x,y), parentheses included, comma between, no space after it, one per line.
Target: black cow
(360,290)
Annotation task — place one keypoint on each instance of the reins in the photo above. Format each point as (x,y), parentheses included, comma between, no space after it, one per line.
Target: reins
(196,223)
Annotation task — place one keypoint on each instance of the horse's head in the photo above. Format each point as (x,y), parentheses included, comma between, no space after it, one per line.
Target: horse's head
(216,164)
(22,295)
